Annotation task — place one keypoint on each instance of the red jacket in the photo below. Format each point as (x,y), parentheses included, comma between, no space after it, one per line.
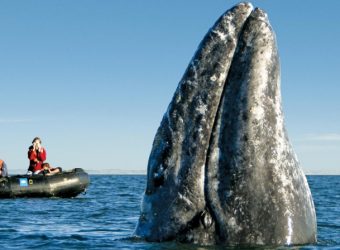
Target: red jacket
(36,158)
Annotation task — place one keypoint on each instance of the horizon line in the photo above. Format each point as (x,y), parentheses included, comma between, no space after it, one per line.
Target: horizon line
(113,171)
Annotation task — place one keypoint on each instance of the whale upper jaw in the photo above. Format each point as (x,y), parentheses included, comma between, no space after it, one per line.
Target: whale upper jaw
(221,169)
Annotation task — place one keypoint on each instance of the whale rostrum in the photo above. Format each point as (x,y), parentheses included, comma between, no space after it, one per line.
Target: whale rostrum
(221,169)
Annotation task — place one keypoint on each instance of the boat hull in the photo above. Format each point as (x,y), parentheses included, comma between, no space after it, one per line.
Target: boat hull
(67,184)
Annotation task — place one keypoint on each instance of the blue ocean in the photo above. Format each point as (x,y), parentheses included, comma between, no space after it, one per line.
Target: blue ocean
(105,217)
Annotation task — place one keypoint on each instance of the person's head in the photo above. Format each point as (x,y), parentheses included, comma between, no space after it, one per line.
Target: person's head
(45,166)
(36,140)
(36,143)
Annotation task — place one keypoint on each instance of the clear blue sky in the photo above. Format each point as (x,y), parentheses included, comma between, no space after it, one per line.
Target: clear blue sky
(93,78)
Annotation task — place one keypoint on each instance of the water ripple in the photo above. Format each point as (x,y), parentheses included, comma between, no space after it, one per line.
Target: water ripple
(107,215)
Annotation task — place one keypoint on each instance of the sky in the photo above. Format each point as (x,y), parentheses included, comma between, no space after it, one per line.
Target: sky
(93,78)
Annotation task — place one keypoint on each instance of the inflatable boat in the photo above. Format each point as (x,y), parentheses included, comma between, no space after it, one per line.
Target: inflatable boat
(66,184)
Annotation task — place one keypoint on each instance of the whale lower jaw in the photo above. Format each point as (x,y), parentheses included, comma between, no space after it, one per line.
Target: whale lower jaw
(221,169)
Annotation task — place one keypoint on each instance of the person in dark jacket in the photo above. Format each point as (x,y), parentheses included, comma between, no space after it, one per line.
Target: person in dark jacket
(48,170)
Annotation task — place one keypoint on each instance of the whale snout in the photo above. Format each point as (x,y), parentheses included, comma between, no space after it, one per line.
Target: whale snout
(221,169)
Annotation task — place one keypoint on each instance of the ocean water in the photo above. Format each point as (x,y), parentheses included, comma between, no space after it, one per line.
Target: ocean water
(105,217)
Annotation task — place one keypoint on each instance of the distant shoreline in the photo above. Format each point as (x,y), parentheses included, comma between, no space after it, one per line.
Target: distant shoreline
(133,172)
(92,172)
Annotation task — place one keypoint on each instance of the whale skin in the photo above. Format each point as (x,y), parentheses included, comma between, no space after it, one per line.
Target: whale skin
(221,169)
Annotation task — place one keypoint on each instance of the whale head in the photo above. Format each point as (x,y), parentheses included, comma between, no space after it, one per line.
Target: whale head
(221,169)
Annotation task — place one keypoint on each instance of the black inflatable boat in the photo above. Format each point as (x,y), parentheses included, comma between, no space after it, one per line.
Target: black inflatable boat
(66,184)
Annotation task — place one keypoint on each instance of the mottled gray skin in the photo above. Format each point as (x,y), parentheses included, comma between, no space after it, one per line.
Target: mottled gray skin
(221,169)
(255,188)
(174,195)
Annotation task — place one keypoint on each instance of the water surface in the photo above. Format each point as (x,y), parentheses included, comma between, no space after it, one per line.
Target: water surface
(105,217)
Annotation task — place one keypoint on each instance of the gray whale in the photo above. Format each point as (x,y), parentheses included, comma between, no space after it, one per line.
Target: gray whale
(221,169)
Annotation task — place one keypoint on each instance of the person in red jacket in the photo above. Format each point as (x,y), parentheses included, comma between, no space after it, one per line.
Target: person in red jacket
(37,156)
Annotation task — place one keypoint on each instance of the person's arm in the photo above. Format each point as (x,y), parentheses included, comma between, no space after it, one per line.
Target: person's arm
(42,155)
(4,171)
(54,171)
(32,155)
